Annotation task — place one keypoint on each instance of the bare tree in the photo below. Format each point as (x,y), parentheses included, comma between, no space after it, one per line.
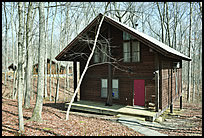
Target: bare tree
(86,66)
(20,68)
(13,54)
(162,16)
(6,51)
(200,4)
(36,116)
(189,54)
(168,25)
(59,63)
(46,51)
(51,52)
(13,50)
(29,56)
(24,49)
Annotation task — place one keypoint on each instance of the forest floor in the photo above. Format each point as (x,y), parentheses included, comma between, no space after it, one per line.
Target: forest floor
(54,123)
(185,122)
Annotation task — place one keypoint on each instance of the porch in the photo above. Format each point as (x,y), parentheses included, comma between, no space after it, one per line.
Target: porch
(115,109)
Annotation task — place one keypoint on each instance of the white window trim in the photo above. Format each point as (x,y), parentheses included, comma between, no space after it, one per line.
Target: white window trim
(107,88)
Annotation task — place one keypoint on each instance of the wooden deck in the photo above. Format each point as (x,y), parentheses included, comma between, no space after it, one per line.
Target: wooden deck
(115,109)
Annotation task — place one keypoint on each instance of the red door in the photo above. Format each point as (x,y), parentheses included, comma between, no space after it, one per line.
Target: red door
(139,92)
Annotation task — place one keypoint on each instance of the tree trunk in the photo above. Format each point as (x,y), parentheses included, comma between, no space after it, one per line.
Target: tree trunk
(193,75)
(14,84)
(57,88)
(65,84)
(168,29)
(24,51)
(162,20)
(51,53)
(36,116)
(29,57)
(67,76)
(33,58)
(86,67)
(61,38)
(200,4)
(13,53)
(6,51)
(175,25)
(20,68)
(46,51)
(189,55)
(12,32)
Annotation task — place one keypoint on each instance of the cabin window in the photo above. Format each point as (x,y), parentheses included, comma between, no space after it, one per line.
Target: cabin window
(104,88)
(126,36)
(104,53)
(131,48)
(115,88)
(135,51)
(100,55)
(96,55)
(126,51)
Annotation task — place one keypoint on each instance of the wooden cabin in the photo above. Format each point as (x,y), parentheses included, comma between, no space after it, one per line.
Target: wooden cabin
(135,67)
(54,68)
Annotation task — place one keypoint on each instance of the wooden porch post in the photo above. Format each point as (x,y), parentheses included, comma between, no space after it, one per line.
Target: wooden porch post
(171,108)
(181,102)
(171,105)
(156,82)
(181,106)
(75,78)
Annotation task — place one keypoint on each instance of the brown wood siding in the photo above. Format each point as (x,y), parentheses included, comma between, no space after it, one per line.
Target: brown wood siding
(91,85)
(166,82)
(165,92)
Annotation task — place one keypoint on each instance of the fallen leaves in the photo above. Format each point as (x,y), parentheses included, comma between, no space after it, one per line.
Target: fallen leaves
(187,122)
(54,123)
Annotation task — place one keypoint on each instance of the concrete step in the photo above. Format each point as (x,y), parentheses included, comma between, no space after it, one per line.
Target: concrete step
(131,117)
(139,127)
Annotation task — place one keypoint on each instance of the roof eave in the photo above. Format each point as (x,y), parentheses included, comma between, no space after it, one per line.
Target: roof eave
(61,54)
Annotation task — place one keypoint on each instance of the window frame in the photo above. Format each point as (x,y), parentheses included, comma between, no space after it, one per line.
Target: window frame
(128,52)
(104,51)
(116,88)
(131,41)
(102,88)
(99,53)
(96,55)
(137,51)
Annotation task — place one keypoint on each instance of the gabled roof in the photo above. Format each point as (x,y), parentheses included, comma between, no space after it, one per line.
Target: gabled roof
(148,40)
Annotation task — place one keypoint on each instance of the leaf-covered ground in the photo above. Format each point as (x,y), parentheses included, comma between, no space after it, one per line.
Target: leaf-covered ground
(54,123)
(185,122)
